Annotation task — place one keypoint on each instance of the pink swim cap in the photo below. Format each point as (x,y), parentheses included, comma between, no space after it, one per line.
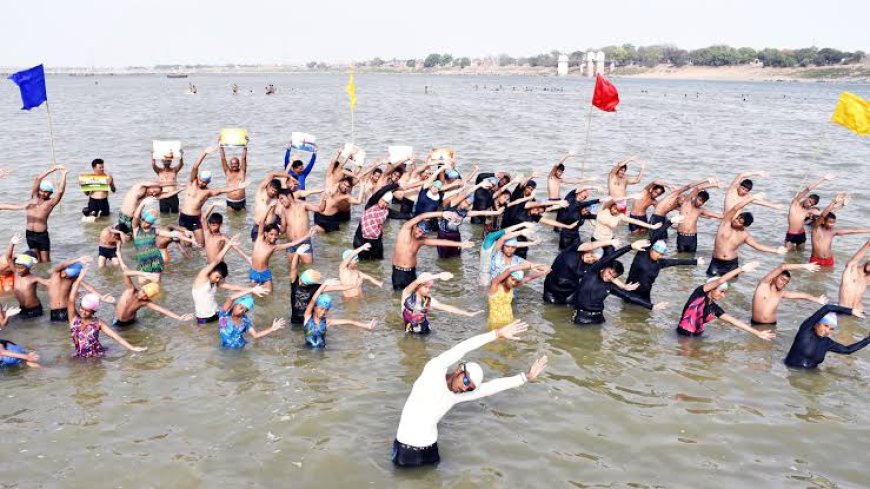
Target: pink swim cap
(91,302)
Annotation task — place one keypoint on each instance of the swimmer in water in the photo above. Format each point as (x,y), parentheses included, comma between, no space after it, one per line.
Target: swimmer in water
(235,171)
(555,179)
(647,264)
(349,274)
(7,264)
(740,188)
(110,236)
(167,175)
(771,290)
(59,283)
(824,231)
(213,277)
(569,267)
(133,299)
(43,200)
(317,322)
(802,208)
(417,301)
(733,232)
(617,182)
(234,323)
(98,200)
(813,339)
(266,245)
(501,291)
(25,287)
(856,277)
(13,354)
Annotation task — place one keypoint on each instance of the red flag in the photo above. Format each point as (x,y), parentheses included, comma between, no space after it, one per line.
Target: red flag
(605,97)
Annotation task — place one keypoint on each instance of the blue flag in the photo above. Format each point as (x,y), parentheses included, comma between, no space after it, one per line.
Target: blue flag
(32,85)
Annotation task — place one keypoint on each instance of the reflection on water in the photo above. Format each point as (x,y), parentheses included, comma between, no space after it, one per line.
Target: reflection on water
(625,404)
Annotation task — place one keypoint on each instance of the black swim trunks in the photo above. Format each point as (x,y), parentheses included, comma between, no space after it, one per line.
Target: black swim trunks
(30,313)
(685,332)
(237,205)
(375,253)
(635,227)
(408,456)
(191,223)
(330,224)
(169,205)
(662,232)
(759,323)
(97,207)
(107,252)
(212,319)
(59,315)
(583,317)
(721,267)
(38,241)
(687,242)
(796,238)
(117,322)
(402,277)
(125,223)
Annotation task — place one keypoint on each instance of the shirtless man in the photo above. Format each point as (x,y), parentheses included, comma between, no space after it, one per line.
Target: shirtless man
(824,232)
(335,206)
(135,196)
(197,193)
(98,201)
(692,209)
(7,265)
(555,180)
(43,200)
(132,299)
(25,287)
(297,225)
(60,283)
(235,172)
(740,188)
(617,182)
(651,192)
(771,290)
(167,175)
(670,203)
(266,194)
(267,244)
(802,206)
(409,240)
(856,277)
(349,274)
(732,234)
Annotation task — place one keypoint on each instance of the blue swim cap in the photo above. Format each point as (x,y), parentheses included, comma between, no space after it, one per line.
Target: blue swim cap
(247,301)
(310,277)
(347,253)
(205,176)
(73,270)
(452,174)
(324,301)
(46,186)
(518,275)
(424,226)
(829,319)
(437,184)
(512,242)
(660,247)
(148,217)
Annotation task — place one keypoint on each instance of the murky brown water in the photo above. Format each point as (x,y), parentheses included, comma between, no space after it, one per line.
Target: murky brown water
(626,405)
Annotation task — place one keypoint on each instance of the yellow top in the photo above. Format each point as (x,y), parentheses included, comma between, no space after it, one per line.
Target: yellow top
(501,310)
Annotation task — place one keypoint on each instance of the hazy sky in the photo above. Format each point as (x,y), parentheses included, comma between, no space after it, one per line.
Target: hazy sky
(148,32)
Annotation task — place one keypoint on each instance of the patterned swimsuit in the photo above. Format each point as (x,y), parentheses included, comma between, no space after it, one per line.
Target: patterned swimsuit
(148,255)
(86,338)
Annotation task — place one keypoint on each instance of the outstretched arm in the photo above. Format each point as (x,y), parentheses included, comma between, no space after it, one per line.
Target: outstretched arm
(844,232)
(453,355)
(168,313)
(751,241)
(111,333)
(749,267)
(764,335)
(854,261)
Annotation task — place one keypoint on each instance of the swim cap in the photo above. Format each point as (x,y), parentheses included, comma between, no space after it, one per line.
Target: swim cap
(470,198)
(344,255)
(722,287)
(310,277)
(493,180)
(475,373)
(660,247)
(205,176)
(532,184)
(324,301)
(424,226)
(437,184)
(46,186)
(620,205)
(512,242)
(518,274)
(26,260)
(598,252)
(453,174)
(73,270)
(388,197)
(829,319)
(151,289)
(91,302)
(246,300)
(149,217)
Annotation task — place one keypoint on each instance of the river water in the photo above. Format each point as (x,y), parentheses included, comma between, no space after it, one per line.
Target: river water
(623,405)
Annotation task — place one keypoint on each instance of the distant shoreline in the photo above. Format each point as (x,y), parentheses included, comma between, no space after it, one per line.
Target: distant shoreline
(748,73)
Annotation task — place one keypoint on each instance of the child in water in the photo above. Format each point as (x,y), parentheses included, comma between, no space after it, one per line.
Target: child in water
(316,321)
(10,353)
(234,322)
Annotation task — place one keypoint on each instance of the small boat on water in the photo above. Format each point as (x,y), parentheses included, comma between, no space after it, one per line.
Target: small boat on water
(176,75)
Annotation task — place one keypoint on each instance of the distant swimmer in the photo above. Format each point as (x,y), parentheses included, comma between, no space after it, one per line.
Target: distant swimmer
(98,200)
(824,232)
(235,89)
(801,209)
(856,277)
(43,200)
(733,233)
(441,386)
(813,339)
(191,88)
(771,290)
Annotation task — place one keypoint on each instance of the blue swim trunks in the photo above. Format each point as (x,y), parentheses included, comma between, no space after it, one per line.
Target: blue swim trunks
(309,251)
(6,361)
(259,277)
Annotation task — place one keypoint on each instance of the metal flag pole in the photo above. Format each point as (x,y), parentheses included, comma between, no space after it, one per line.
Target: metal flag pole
(50,133)
(586,145)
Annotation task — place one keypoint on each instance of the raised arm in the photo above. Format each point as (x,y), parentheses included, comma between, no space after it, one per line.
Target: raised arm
(749,267)
(36,181)
(61,188)
(455,354)
(224,164)
(194,170)
(73,295)
(853,262)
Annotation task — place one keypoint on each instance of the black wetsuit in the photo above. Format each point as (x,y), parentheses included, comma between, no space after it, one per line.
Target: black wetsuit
(377,250)
(644,270)
(564,277)
(300,296)
(809,349)
(662,232)
(592,291)
(482,198)
(568,215)
(516,215)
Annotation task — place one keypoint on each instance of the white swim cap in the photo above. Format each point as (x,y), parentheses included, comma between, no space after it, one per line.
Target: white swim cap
(475,373)
(388,197)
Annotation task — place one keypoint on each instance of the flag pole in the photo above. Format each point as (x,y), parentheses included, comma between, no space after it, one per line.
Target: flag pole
(586,145)
(352,128)
(50,133)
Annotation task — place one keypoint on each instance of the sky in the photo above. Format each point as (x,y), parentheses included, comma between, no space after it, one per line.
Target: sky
(117,33)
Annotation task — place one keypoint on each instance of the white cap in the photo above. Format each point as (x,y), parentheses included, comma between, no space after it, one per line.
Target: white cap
(475,373)
(388,197)
(829,319)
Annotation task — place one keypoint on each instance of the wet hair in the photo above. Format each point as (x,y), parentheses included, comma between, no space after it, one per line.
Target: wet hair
(831,215)
(747,217)
(560,167)
(275,183)
(215,218)
(747,183)
(399,169)
(270,227)
(296,163)
(786,273)
(703,195)
(285,192)
(377,170)
(96,162)
(222,269)
(347,180)
(814,198)
(616,266)
(657,187)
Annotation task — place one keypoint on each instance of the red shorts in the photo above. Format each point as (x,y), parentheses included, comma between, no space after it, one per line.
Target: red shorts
(822,262)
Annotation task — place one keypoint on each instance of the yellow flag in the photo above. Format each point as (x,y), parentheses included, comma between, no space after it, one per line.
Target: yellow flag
(351,91)
(853,113)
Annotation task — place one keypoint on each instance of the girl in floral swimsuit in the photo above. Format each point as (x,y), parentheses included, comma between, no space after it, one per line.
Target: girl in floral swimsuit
(417,301)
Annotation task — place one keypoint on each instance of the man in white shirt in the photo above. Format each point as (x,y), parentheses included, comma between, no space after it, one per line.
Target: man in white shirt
(437,390)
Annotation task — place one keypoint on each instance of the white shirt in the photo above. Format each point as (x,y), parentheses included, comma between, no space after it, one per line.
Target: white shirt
(431,399)
(605,223)
(204,302)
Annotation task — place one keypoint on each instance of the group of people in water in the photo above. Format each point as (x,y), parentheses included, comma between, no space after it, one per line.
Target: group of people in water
(433,200)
